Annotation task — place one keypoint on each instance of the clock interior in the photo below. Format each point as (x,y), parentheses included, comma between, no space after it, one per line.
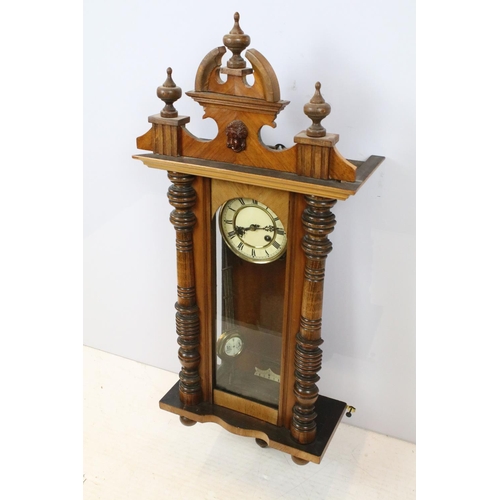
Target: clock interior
(250,297)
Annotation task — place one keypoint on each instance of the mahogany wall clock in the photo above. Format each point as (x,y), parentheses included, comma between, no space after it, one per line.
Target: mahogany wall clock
(252,226)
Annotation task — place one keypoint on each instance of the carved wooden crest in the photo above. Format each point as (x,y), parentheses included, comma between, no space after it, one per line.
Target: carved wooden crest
(228,98)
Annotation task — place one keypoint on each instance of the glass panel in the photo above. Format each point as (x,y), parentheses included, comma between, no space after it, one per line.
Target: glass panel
(250,300)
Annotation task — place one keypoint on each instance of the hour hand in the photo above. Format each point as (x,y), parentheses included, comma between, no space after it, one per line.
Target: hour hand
(241,230)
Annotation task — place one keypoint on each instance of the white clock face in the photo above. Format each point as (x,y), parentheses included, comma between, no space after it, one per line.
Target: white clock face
(252,230)
(233,346)
(229,345)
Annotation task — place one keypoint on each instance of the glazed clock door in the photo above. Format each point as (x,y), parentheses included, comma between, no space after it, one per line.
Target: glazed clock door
(251,270)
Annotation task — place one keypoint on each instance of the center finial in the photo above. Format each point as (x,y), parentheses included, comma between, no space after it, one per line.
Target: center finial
(236,28)
(236,41)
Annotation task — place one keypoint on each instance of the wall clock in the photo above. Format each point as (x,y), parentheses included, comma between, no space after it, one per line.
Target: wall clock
(252,226)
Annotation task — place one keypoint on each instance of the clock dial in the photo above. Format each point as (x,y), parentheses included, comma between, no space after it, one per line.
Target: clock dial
(233,346)
(230,345)
(252,230)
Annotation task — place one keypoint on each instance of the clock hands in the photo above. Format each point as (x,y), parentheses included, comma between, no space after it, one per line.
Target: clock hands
(242,230)
(253,227)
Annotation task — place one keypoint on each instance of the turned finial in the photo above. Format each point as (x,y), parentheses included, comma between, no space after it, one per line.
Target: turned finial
(317,109)
(169,93)
(236,41)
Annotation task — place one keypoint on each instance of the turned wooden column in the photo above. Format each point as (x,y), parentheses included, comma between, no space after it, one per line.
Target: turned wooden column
(318,222)
(182,197)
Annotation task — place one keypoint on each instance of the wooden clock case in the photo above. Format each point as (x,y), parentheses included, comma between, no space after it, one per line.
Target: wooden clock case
(302,184)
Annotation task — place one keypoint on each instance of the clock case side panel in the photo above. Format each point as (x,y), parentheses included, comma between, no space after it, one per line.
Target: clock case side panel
(204,265)
(293,300)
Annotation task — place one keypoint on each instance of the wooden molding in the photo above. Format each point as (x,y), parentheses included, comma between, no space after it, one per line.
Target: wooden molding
(246,406)
(266,178)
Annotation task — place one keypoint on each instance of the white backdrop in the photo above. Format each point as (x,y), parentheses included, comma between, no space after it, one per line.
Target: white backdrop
(363,53)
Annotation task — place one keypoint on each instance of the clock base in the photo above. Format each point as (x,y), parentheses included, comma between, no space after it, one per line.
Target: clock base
(329,411)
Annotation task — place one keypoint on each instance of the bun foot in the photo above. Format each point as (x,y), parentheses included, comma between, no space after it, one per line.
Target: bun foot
(187,421)
(299,461)
(261,443)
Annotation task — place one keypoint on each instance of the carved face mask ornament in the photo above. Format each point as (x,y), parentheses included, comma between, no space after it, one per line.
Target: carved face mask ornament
(237,134)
